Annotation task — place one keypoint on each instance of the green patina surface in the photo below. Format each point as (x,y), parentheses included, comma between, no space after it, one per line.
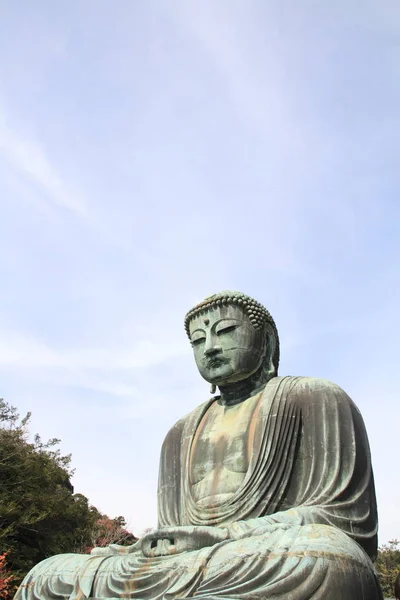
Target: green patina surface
(265,490)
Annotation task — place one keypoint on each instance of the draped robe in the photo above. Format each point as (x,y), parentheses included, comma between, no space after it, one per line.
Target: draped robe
(302,525)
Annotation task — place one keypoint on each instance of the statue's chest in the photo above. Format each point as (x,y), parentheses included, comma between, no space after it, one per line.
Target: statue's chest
(223,442)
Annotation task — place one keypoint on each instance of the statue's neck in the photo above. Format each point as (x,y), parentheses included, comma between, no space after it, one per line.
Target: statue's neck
(233,393)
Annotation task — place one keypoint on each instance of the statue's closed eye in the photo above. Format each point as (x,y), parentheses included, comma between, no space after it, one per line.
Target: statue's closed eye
(226,329)
(198,341)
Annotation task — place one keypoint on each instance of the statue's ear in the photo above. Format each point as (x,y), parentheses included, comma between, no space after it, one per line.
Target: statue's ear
(270,342)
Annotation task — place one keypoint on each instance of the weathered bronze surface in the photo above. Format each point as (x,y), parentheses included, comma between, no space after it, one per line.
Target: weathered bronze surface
(265,491)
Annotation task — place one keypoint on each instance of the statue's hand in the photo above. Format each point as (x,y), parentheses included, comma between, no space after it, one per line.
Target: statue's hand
(174,540)
(258,526)
(113,549)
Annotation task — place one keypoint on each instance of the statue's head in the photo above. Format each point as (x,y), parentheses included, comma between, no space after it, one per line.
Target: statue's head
(233,338)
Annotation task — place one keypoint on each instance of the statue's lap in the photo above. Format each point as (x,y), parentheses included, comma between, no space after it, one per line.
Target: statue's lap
(296,549)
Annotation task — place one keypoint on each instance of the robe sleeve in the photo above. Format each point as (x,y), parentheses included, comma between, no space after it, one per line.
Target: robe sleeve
(169,478)
(331,481)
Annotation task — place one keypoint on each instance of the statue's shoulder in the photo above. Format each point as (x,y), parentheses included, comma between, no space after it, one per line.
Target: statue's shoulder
(314,390)
(304,383)
(175,433)
(315,384)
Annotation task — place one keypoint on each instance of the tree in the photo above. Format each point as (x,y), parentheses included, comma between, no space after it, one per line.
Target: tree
(106,531)
(39,513)
(388,566)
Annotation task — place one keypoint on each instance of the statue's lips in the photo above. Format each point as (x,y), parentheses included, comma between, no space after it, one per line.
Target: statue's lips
(214,363)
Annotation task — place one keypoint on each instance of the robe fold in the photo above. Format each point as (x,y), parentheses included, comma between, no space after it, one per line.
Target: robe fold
(302,525)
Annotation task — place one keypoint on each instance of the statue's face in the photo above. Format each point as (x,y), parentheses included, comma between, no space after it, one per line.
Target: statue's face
(227,348)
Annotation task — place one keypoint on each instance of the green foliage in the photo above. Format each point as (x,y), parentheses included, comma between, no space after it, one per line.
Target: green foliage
(39,514)
(388,566)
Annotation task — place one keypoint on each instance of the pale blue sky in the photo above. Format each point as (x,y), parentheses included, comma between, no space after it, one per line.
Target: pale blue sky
(154,152)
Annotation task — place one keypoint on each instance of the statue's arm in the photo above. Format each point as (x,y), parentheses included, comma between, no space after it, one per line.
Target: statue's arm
(332,480)
(169,478)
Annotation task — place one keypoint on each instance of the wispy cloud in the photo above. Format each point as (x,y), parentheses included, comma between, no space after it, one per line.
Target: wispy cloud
(22,351)
(30,158)
(212,145)
(101,370)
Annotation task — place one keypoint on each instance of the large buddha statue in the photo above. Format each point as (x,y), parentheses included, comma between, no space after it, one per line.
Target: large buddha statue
(265,491)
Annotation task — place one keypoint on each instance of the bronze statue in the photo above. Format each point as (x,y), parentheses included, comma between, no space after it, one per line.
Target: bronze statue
(265,491)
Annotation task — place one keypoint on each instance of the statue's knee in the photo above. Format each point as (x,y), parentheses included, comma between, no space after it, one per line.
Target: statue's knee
(308,540)
(330,542)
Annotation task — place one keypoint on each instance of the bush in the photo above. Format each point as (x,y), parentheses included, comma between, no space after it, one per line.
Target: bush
(388,566)
(39,513)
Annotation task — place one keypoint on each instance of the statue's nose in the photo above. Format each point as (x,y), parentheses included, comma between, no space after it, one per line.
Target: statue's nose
(211,347)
